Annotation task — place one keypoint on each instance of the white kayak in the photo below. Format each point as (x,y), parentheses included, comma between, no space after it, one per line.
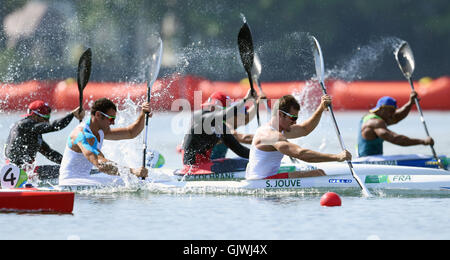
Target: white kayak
(337,176)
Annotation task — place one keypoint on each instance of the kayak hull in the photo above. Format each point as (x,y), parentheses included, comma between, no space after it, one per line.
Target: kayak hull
(414,160)
(36,200)
(394,182)
(337,176)
(51,172)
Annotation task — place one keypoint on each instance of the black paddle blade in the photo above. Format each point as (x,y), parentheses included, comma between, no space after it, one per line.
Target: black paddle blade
(247,53)
(405,59)
(245,44)
(84,69)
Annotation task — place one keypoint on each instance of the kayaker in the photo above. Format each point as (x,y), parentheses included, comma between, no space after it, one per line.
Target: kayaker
(25,137)
(83,149)
(241,118)
(208,128)
(270,142)
(373,127)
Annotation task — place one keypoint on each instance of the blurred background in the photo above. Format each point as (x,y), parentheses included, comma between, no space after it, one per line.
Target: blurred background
(42,40)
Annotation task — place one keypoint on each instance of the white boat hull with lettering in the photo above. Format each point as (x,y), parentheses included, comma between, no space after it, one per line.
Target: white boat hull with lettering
(337,176)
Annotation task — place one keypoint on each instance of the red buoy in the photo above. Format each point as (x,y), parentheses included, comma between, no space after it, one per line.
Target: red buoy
(330,199)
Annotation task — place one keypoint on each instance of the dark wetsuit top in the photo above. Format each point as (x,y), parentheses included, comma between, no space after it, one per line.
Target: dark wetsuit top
(219,151)
(25,140)
(207,130)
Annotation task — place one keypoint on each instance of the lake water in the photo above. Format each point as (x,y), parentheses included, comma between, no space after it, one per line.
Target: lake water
(139,213)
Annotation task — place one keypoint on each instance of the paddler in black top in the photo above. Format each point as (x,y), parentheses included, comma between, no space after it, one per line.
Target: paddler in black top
(240,118)
(208,128)
(25,137)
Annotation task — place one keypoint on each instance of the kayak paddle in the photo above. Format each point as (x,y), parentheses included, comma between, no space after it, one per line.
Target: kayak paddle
(256,72)
(155,65)
(246,52)
(320,71)
(405,60)
(83,73)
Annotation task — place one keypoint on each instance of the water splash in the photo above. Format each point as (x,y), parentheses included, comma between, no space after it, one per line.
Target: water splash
(364,60)
(291,48)
(219,61)
(244,20)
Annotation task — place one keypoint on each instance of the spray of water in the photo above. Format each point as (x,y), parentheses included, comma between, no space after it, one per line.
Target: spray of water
(244,20)
(363,61)
(292,48)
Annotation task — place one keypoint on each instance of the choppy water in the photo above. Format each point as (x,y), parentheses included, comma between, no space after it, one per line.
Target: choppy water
(140,213)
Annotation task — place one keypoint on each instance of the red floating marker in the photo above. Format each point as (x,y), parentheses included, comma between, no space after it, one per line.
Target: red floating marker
(330,199)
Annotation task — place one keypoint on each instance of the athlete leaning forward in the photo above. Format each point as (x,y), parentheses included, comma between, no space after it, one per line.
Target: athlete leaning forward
(214,125)
(83,149)
(25,140)
(270,142)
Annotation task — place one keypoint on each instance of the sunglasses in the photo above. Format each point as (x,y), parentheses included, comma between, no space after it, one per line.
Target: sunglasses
(110,118)
(41,115)
(292,117)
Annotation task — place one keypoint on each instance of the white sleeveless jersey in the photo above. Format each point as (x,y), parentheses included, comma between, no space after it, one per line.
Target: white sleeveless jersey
(262,164)
(75,168)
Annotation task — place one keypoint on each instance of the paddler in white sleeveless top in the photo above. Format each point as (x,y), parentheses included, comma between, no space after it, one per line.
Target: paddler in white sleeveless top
(83,148)
(270,142)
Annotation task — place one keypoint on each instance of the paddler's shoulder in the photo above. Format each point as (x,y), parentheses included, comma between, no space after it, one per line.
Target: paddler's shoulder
(373,120)
(26,122)
(268,132)
(371,117)
(78,129)
(264,129)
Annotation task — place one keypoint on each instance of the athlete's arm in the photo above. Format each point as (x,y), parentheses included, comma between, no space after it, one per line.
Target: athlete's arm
(307,155)
(235,146)
(104,165)
(46,127)
(306,127)
(243,138)
(399,139)
(132,130)
(234,109)
(403,112)
(50,154)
